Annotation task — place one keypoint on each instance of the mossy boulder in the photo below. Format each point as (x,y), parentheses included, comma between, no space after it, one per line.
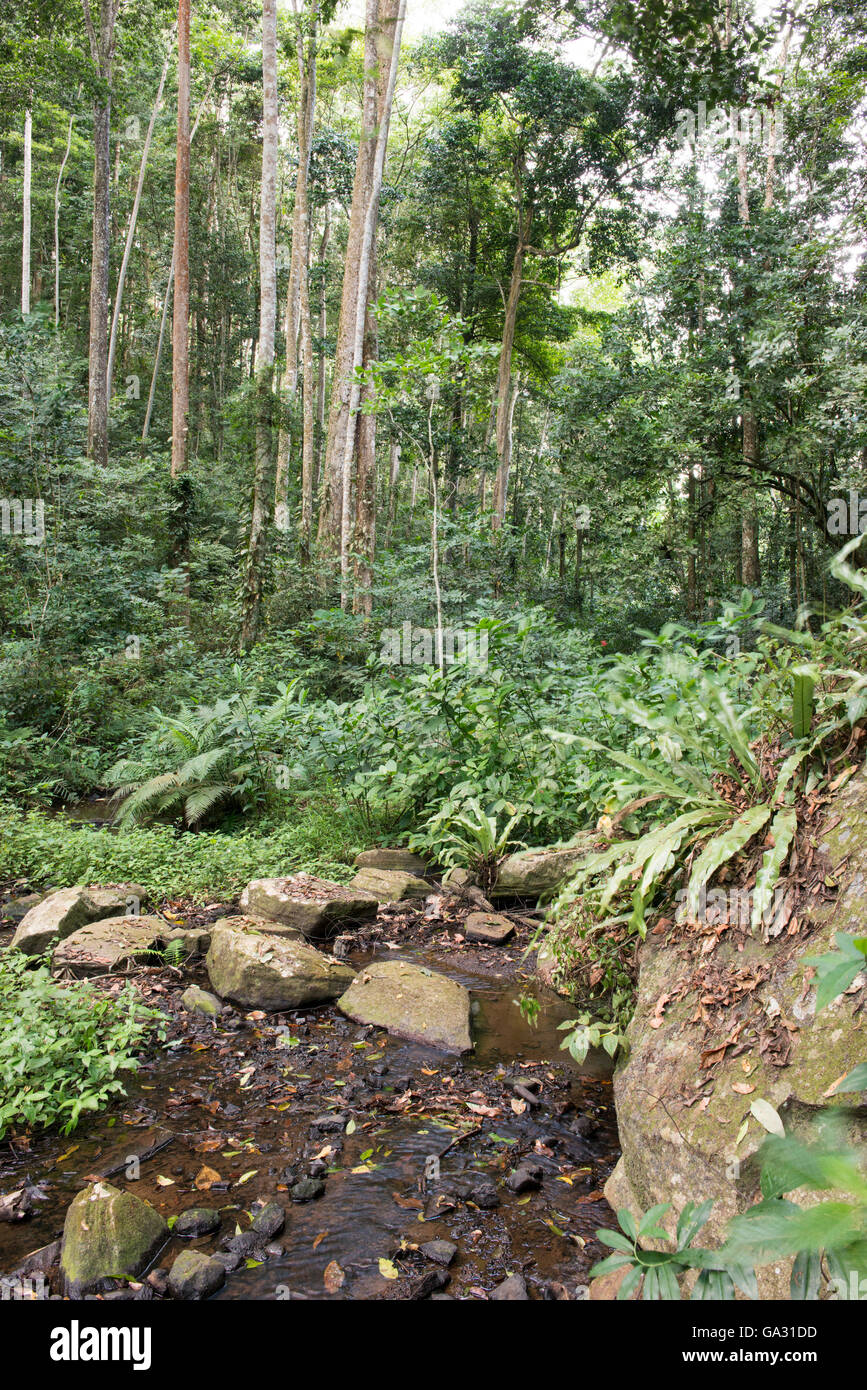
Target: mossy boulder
(399,860)
(63,912)
(539,873)
(195,1275)
(390,885)
(104,947)
(411,1002)
(680,1120)
(108,1234)
(314,906)
(260,971)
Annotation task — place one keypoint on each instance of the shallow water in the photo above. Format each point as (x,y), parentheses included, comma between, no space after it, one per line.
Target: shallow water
(249,1128)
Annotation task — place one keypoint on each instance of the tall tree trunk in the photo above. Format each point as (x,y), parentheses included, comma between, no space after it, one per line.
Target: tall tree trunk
(388,52)
(382,44)
(181,261)
(167,298)
(102,39)
(263,469)
(57,188)
(25,219)
(506,400)
(298,326)
(130,233)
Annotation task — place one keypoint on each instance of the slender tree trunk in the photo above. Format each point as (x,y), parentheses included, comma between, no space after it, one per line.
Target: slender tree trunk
(506,400)
(57,188)
(130,233)
(102,38)
(181,259)
(25,232)
(262,479)
(167,298)
(382,46)
(388,50)
(298,325)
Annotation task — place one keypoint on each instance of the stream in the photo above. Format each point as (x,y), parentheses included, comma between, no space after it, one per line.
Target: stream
(241,1109)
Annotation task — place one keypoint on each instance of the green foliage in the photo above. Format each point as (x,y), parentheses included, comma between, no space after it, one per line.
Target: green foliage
(64,1049)
(320,836)
(826,1235)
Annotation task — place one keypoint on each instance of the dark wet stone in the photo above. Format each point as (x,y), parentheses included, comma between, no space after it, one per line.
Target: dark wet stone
(512,1290)
(228,1259)
(331,1124)
(307,1190)
(195,1275)
(583,1126)
(243,1244)
(485,1195)
(317,1168)
(429,1283)
(442,1252)
(197,1221)
(158,1279)
(268,1220)
(525,1178)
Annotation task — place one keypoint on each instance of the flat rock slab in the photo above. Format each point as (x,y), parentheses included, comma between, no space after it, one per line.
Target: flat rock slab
(538,873)
(488,926)
(314,906)
(260,971)
(63,912)
(411,1002)
(400,860)
(104,947)
(108,1234)
(390,885)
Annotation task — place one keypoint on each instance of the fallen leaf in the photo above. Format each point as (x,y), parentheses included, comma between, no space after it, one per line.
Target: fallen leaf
(742,1088)
(334,1277)
(319,1239)
(388,1270)
(205,1178)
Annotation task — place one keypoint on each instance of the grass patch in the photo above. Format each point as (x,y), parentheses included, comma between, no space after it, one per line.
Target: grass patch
(322,838)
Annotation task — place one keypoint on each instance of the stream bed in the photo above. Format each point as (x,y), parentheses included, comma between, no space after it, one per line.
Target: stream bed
(239,1110)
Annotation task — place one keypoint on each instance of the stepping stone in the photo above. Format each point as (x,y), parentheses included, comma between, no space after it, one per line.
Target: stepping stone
(195,1275)
(113,944)
(390,885)
(491,927)
(63,912)
(314,906)
(200,1001)
(274,973)
(197,1221)
(442,1252)
(512,1290)
(411,1002)
(401,860)
(108,1234)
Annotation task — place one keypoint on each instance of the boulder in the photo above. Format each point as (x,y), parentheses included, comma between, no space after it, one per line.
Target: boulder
(15,909)
(313,906)
(411,1002)
(538,873)
(260,971)
(674,1151)
(201,1001)
(400,860)
(490,927)
(63,912)
(116,942)
(197,1221)
(512,1290)
(108,1234)
(195,1275)
(390,885)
